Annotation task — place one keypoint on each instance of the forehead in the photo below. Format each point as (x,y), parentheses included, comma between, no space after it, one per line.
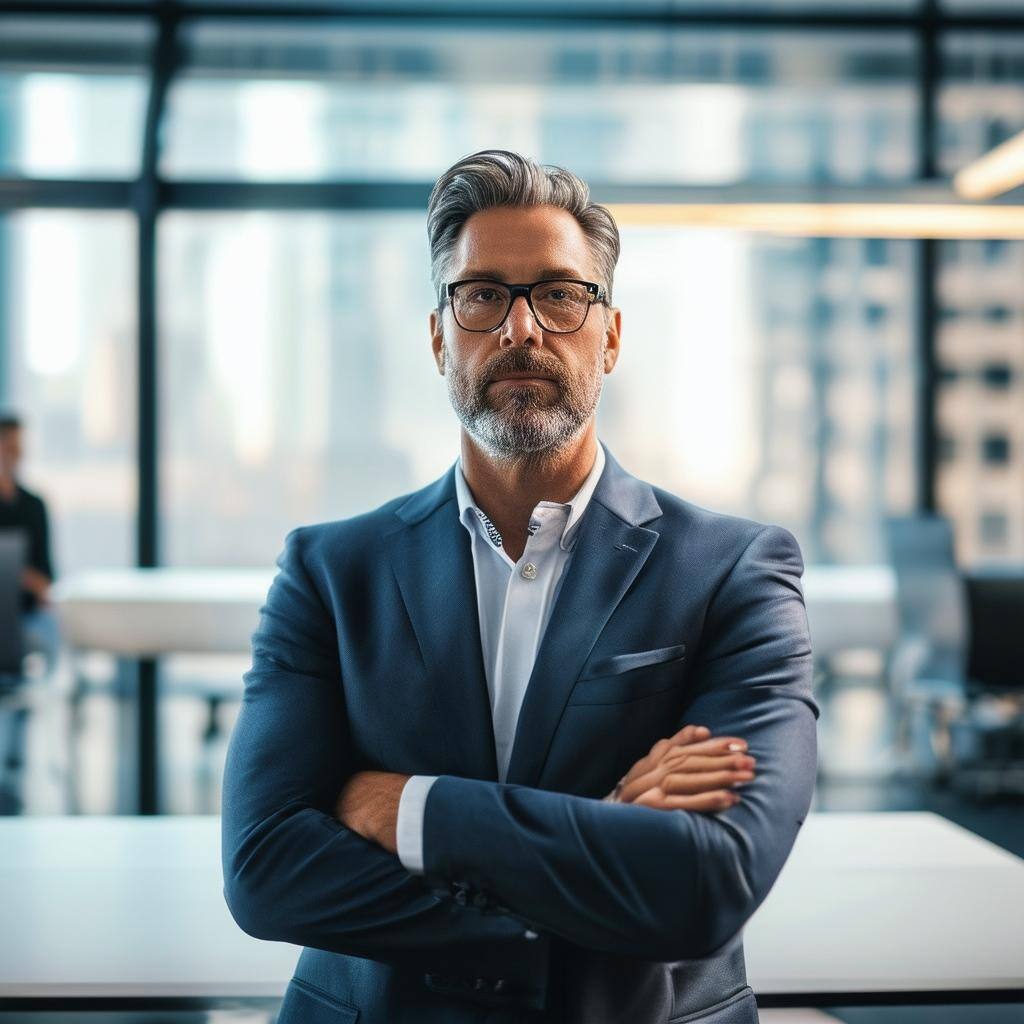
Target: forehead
(522,244)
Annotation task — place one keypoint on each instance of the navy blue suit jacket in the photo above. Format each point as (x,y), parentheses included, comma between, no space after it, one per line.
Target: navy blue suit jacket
(539,900)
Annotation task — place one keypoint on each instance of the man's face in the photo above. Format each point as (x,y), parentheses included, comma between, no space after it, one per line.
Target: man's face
(10,448)
(510,417)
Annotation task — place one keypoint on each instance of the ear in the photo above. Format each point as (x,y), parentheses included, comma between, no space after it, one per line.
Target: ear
(437,339)
(612,335)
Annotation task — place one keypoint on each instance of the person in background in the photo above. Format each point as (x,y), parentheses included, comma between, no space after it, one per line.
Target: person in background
(21,509)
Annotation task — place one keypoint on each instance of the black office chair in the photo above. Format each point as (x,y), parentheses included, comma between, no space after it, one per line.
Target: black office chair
(968,729)
(14,708)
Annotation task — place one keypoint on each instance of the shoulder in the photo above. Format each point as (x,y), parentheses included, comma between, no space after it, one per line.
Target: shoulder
(721,538)
(340,543)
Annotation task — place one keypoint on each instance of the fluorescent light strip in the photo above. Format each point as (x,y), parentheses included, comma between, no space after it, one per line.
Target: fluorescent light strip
(998,171)
(846,220)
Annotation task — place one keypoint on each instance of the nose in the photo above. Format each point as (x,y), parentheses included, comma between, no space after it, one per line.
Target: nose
(520,326)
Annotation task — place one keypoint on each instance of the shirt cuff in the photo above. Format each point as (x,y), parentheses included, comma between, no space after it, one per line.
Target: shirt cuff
(410,821)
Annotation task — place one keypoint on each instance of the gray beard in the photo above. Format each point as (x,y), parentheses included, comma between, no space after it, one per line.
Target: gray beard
(525,426)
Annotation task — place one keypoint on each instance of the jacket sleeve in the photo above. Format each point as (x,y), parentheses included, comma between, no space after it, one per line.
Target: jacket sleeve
(292,871)
(655,884)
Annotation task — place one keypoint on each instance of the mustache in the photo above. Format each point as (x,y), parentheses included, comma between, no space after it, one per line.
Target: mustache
(520,360)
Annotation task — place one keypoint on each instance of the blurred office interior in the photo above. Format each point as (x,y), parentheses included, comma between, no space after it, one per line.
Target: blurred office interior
(213,299)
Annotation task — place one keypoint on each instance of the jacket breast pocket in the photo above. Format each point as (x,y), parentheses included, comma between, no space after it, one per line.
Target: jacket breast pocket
(618,678)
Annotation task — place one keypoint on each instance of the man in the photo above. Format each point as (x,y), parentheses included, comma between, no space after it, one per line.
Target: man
(474,771)
(24,511)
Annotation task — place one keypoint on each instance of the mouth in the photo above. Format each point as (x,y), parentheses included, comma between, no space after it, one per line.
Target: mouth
(521,378)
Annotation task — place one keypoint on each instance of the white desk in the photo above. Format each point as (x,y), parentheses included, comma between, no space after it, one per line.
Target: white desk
(144,613)
(147,612)
(890,907)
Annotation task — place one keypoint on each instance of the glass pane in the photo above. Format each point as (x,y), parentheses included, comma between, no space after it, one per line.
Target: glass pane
(776,382)
(72,97)
(981,103)
(306,102)
(299,386)
(980,402)
(295,386)
(67,332)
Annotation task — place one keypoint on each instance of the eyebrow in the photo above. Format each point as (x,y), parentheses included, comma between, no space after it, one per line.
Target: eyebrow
(494,275)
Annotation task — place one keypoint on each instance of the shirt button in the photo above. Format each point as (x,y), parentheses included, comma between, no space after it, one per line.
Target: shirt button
(529,571)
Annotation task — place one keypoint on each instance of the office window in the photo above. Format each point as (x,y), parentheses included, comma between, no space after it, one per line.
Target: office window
(750,382)
(295,388)
(981,100)
(997,375)
(984,409)
(67,334)
(297,382)
(72,96)
(308,102)
(995,449)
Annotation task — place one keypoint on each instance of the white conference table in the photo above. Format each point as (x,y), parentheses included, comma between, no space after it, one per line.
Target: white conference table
(111,912)
(146,613)
(149,612)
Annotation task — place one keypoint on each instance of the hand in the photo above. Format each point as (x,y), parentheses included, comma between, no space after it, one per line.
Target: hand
(37,583)
(689,771)
(368,804)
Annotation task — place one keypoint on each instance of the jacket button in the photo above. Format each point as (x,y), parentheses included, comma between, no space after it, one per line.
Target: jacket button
(499,985)
(480,984)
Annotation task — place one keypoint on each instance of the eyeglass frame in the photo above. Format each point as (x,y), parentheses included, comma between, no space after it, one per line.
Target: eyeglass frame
(598,292)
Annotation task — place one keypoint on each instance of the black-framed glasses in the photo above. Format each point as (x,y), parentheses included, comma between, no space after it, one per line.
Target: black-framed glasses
(559,306)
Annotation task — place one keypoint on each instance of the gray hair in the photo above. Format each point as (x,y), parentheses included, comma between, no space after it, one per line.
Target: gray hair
(497,177)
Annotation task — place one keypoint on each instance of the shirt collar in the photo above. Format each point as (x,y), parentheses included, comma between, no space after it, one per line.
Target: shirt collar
(577,504)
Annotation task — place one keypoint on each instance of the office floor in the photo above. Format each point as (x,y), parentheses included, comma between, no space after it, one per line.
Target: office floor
(855,757)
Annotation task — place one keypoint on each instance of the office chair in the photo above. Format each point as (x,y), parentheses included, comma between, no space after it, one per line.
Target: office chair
(960,725)
(13,705)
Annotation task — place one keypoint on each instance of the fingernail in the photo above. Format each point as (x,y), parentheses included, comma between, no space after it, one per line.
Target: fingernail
(735,746)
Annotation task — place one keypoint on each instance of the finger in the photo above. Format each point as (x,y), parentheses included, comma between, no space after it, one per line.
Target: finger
(719,800)
(632,788)
(686,736)
(690,733)
(670,746)
(707,762)
(703,782)
(714,745)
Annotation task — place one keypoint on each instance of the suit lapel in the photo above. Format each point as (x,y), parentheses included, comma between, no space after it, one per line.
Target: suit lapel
(433,564)
(611,549)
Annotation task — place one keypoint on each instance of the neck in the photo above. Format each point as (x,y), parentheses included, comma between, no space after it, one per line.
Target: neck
(508,490)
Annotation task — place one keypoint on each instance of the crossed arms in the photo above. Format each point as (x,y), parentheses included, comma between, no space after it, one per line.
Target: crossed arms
(629,879)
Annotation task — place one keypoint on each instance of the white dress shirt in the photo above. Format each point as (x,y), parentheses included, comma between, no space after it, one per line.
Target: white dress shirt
(514,600)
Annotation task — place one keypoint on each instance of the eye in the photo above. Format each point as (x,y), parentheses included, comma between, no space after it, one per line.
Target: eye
(484,294)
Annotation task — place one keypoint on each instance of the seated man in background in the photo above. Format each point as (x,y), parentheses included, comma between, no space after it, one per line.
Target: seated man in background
(21,509)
